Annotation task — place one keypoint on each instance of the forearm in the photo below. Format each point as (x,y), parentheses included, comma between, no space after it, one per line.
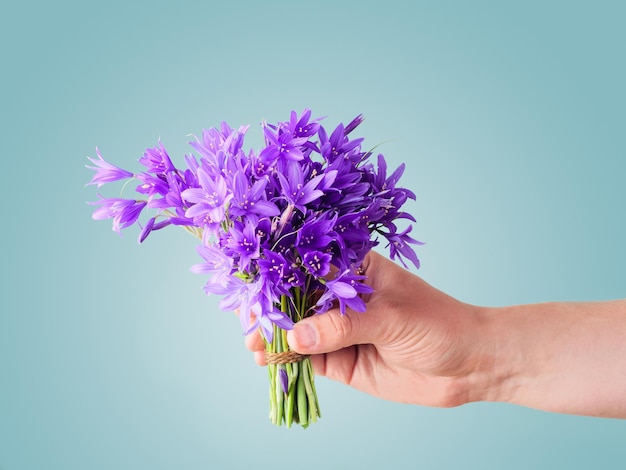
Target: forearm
(560,357)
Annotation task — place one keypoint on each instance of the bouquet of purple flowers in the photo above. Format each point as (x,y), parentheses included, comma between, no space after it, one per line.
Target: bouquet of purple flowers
(283,231)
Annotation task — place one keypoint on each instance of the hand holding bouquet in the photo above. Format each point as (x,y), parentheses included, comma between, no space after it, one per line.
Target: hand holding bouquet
(283,230)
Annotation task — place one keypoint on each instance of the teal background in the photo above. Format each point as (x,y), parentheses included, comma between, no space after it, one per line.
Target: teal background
(510,117)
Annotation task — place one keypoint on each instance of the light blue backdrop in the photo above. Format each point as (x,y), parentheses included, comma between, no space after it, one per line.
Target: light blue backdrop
(510,117)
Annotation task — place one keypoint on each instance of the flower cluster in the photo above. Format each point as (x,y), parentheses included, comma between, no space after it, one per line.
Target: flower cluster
(293,220)
(283,231)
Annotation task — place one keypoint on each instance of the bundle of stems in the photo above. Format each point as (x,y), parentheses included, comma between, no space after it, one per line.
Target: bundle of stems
(293,398)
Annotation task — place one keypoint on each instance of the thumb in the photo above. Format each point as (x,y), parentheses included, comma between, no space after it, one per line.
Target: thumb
(330,331)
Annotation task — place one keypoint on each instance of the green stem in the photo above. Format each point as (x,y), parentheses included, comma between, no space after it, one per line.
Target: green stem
(289,404)
(297,302)
(303,415)
(303,310)
(298,403)
(277,383)
(270,373)
(310,393)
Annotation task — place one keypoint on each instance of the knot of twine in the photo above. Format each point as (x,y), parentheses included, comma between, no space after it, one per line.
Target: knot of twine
(287,357)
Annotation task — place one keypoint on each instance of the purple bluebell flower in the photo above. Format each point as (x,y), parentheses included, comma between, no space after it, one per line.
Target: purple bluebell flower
(273,267)
(173,198)
(244,243)
(105,171)
(294,188)
(249,199)
(208,202)
(215,141)
(152,226)
(281,144)
(145,231)
(156,160)
(300,126)
(338,145)
(216,264)
(293,276)
(345,288)
(284,380)
(279,272)
(353,124)
(238,294)
(209,145)
(314,234)
(348,230)
(386,186)
(317,263)
(268,318)
(152,185)
(399,246)
(124,212)
(233,141)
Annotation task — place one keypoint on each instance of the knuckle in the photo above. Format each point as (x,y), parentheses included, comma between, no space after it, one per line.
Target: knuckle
(343,326)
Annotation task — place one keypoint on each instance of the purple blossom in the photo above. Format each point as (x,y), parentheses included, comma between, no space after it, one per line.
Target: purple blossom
(216,144)
(105,171)
(248,199)
(348,230)
(284,380)
(173,198)
(300,126)
(124,212)
(244,243)
(338,145)
(151,226)
(314,234)
(298,192)
(208,202)
(353,124)
(156,160)
(272,223)
(399,246)
(317,263)
(238,294)
(345,288)
(266,319)
(152,185)
(216,264)
(281,144)
(273,268)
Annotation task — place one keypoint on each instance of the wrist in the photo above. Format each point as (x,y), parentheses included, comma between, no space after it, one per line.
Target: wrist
(491,376)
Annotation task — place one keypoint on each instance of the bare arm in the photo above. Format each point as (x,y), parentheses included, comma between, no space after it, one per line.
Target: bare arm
(562,357)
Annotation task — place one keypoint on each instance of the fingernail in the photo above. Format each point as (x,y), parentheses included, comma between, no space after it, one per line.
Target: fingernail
(306,335)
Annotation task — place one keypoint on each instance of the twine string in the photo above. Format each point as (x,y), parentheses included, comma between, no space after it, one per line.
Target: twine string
(287,357)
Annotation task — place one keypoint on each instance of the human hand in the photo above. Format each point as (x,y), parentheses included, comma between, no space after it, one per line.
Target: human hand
(414,344)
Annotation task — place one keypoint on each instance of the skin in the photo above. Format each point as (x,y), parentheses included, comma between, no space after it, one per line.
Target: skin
(417,345)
